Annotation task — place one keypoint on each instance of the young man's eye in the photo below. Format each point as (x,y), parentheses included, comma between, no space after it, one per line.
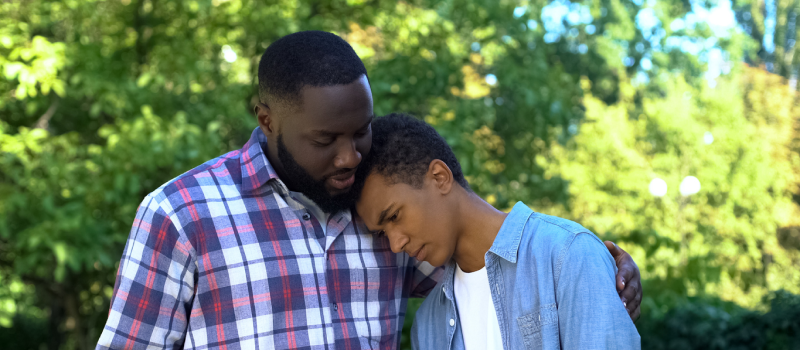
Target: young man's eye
(393,218)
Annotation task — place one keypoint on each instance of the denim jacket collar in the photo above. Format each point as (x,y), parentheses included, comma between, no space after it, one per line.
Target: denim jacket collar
(506,244)
(448,280)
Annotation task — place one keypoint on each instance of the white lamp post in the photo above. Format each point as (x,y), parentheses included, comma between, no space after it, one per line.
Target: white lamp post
(658,187)
(708,138)
(689,186)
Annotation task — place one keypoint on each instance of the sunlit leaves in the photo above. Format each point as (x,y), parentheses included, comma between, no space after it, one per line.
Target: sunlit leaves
(720,241)
(35,65)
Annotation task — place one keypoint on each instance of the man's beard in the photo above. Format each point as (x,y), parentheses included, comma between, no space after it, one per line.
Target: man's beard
(313,189)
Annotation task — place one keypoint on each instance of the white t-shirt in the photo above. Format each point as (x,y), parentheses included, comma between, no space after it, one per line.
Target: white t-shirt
(476,313)
(314,209)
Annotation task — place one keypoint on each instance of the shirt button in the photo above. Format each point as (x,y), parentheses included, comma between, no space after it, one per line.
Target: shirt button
(306,216)
(452,322)
(335,307)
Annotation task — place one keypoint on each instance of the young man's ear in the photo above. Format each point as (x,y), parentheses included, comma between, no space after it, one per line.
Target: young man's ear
(265,119)
(441,175)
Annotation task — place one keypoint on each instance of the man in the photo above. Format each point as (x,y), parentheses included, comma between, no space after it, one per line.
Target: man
(257,248)
(517,280)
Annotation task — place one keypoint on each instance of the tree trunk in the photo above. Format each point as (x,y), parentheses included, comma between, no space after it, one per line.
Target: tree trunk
(73,317)
(54,327)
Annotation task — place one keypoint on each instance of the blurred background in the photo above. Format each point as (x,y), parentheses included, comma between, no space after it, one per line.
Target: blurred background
(670,127)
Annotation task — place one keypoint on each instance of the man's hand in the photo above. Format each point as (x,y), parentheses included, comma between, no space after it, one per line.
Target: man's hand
(629,282)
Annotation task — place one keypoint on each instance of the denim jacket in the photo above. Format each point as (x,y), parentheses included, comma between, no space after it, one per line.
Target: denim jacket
(553,286)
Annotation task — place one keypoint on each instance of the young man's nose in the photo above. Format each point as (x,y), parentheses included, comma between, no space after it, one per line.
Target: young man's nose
(397,242)
(347,156)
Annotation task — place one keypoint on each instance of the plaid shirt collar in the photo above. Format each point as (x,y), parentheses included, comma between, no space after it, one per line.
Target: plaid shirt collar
(256,169)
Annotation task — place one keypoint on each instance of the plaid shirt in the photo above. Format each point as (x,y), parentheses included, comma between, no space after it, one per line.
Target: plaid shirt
(222,257)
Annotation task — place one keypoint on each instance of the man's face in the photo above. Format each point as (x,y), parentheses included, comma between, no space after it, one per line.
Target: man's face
(320,143)
(416,220)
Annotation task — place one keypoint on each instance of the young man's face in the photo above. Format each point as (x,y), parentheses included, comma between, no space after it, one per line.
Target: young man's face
(319,144)
(416,220)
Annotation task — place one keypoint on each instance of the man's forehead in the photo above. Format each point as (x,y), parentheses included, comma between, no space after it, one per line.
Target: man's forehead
(358,86)
(330,113)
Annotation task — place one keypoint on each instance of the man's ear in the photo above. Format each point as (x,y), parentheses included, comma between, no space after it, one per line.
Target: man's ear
(441,175)
(266,120)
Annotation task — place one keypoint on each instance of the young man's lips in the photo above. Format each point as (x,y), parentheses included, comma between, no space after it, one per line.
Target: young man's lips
(419,254)
(342,182)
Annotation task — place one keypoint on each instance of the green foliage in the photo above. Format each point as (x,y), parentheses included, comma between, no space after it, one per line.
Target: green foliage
(721,241)
(66,198)
(710,324)
(102,101)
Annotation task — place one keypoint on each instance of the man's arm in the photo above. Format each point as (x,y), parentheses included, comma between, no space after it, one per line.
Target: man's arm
(629,283)
(154,288)
(590,315)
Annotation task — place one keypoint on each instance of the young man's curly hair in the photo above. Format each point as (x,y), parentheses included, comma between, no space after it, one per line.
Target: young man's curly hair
(403,148)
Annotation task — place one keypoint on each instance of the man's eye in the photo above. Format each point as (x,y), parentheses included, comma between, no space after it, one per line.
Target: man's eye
(323,143)
(362,133)
(393,218)
(381,233)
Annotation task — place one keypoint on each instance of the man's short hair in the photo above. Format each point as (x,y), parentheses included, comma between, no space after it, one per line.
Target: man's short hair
(403,148)
(311,58)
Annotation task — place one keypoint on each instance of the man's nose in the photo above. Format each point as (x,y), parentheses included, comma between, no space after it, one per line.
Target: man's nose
(397,242)
(347,156)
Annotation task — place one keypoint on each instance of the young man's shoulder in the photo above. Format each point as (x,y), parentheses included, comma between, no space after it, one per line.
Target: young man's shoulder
(568,226)
(553,240)
(555,233)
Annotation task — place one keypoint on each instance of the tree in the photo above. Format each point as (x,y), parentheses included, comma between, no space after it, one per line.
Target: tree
(773,26)
(102,101)
(735,138)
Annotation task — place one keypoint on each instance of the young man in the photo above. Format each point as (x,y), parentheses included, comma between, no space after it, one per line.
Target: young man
(521,280)
(258,249)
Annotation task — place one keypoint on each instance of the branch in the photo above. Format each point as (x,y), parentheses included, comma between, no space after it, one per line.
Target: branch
(44,120)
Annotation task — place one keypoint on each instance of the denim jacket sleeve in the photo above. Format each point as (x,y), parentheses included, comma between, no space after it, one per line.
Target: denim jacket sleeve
(590,314)
(415,337)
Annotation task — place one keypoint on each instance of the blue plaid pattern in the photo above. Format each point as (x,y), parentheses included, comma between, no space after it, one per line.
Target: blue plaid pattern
(222,257)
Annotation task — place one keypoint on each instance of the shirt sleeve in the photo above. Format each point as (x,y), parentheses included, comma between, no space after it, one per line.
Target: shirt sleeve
(154,288)
(425,278)
(590,314)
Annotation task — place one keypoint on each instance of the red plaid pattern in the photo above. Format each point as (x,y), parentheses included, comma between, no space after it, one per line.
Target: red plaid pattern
(221,258)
